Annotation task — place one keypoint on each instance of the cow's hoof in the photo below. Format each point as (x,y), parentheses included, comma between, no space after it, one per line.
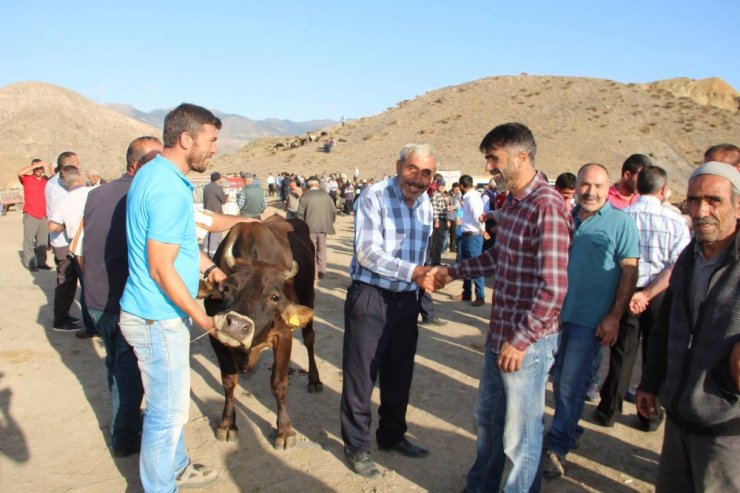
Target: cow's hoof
(285,442)
(228,435)
(315,387)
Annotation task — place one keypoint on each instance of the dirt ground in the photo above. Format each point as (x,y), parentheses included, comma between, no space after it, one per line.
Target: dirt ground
(55,407)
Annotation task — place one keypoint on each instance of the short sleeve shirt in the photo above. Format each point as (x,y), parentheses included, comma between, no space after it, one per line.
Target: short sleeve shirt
(159,207)
(599,244)
(34,202)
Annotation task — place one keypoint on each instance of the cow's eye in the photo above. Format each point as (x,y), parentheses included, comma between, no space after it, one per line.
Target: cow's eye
(275,298)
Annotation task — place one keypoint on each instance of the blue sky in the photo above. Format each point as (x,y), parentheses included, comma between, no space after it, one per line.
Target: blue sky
(306,60)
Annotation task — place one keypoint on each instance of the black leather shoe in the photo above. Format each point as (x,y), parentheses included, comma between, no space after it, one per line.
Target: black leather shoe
(652,423)
(83,334)
(604,419)
(404,447)
(44,267)
(362,464)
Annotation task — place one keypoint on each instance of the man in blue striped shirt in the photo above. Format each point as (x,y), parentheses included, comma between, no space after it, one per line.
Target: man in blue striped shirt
(393,223)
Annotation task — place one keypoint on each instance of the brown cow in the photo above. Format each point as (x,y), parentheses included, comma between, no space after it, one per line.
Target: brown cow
(269,293)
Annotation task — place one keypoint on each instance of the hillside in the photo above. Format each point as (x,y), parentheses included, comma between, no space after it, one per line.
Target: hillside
(237,130)
(42,120)
(575,120)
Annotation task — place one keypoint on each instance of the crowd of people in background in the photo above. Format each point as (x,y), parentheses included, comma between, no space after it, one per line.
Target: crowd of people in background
(581,269)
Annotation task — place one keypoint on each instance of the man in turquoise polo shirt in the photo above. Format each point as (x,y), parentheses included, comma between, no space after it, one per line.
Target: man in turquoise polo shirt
(158,300)
(602,273)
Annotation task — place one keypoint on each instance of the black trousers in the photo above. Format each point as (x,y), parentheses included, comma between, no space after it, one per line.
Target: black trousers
(435,243)
(64,293)
(623,354)
(380,335)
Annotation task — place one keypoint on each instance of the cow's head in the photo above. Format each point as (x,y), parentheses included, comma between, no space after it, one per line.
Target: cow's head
(254,300)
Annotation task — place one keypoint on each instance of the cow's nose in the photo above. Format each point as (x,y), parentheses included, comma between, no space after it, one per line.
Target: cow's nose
(239,325)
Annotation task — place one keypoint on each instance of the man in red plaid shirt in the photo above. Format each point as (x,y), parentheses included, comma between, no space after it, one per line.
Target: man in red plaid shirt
(529,262)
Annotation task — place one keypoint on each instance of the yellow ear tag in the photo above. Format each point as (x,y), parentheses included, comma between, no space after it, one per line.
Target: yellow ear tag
(293,320)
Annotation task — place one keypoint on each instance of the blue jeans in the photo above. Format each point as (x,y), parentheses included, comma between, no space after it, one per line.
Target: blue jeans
(124,383)
(571,375)
(163,350)
(472,246)
(510,420)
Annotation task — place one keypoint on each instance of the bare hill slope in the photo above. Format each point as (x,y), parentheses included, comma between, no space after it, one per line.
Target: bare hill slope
(575,120)
(42,120)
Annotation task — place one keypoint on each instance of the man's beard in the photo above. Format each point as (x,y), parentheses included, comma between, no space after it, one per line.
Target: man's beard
(198,161)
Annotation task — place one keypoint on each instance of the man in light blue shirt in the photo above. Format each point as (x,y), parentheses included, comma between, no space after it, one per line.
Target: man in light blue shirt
(158,300)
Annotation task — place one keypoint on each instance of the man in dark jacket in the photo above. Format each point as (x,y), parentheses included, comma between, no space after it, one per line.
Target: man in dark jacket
(317,208)
(214,198)
(693,361)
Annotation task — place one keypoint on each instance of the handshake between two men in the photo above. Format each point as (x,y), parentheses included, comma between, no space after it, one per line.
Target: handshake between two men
(431,278)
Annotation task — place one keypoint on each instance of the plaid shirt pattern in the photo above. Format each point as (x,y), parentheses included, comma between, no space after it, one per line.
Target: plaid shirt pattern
(530,266)
(663,236)
(391,238)
(439,206)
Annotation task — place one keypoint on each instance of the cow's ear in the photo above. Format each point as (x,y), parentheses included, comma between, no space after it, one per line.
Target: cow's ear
(297,316)
(207,288)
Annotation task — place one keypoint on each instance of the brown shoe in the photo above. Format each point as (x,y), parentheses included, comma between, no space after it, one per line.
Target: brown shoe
(478,302)
(461,297)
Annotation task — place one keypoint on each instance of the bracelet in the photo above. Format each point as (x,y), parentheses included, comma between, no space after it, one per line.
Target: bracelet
(208,271)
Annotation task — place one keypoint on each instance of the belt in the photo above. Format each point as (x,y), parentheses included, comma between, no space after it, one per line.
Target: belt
(470,233)
(386,292)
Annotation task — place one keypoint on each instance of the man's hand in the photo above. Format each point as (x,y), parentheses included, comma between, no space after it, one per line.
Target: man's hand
(645,402)
(608,330)
(510,358)
(485,216)
(204,321)
(639,302)
(442,276)
(420,277)
(735,364)
(217,276)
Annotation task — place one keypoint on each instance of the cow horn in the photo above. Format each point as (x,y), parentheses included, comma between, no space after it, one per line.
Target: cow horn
(228,250)
(292,272)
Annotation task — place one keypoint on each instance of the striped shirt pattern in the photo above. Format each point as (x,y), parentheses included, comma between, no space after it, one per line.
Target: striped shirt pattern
(391,238)
(663,236)
(530,266)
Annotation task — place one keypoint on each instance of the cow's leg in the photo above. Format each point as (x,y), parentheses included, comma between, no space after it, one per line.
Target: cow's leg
(227,430)
(228,364)
(279,382)
(314,382)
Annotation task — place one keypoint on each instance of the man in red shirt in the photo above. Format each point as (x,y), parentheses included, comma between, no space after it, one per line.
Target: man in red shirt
(35,224)
(624,192)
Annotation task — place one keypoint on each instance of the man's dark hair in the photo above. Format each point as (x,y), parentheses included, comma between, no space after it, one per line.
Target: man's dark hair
(36,160)
(64,158)
(135,150)
(466,181)
(720,151)
(565,181)
(636,163)
(515,136)
(187,118)
(651,180)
